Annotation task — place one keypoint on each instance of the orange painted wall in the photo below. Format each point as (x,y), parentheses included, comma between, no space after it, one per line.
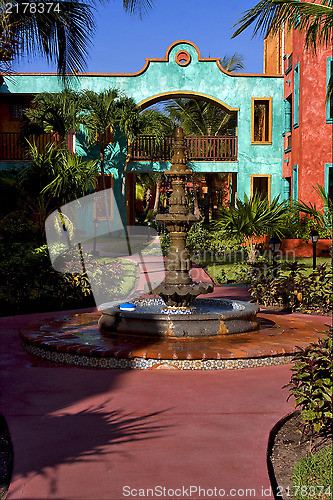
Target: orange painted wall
(273,54)
(312,140)
(300,248)
(7,122)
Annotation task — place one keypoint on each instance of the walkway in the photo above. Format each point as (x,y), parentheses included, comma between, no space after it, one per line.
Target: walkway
(90,434)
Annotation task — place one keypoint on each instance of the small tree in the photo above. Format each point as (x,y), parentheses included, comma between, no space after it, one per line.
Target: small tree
(57,113)
(251,219)
(322,216)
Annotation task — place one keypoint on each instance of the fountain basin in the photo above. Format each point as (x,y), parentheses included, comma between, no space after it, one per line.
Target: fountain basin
(204,318)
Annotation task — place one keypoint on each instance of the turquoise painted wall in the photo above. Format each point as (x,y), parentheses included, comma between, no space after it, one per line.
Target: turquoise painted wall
(200,76)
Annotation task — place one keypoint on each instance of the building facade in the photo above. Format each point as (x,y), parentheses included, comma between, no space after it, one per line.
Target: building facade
(307,131)
(283,139)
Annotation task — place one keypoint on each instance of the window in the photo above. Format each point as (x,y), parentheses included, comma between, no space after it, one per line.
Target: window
(261,184)
(287,114)
(329,105)
(261,120)
(286,187)
(295,182)
(17,110)
(296,96)
(329,180)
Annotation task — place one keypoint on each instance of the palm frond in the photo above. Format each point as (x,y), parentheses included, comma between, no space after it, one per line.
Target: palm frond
(61,33)
(58,112)
(233,63)
(139,7)
(270,16)
(253,217)
(323,216)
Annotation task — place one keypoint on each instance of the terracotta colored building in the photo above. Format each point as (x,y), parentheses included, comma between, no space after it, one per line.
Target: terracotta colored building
(308,141)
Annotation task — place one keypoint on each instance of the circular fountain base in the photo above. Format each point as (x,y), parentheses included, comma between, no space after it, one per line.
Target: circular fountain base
(204,318)
(74,339)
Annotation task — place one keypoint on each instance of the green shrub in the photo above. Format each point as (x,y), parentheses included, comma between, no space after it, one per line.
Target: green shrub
(238,272)
(312,478)
(165,243)
(30,284)
(293,290)
(198,237)
(299,226)
(208,246)
(311,384)
(14,227)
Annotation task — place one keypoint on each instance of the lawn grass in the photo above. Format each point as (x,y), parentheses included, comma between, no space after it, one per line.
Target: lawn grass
(312,478)
(235,271)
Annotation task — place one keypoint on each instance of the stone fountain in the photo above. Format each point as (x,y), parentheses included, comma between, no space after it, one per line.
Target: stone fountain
(178,312)
(177,330)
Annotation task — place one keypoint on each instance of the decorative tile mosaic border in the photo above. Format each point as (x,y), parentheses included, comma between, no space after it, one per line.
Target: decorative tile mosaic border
(147,364)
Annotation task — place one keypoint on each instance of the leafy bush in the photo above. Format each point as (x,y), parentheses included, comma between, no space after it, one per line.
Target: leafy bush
(293,290)
(299,226)
(312,478)
(311,384)
(239,272)
(198,237)
(14,227)
(210,245)
(30,284)
(165,243)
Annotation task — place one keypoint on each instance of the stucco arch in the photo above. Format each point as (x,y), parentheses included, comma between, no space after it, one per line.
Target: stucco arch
(163,96)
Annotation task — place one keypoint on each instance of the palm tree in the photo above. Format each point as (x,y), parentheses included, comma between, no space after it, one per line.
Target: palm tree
(57,113)
(251,219)
(324,216)
(233,63)
(313,19)
(204,117)
(104,113)
(59,30)
(53,178)
(157,123)
(62,33)
(58,174)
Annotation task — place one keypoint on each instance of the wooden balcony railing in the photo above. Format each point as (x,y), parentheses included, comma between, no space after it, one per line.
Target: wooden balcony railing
(202,148)
(145,148)
(14,147)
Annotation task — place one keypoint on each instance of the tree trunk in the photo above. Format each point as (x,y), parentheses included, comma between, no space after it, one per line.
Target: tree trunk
(208,198)
(196,208)
(107,215)
(157,194)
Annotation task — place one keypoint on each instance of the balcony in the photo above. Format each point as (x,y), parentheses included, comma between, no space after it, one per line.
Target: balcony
(145,148)
(14,147)
(198,148)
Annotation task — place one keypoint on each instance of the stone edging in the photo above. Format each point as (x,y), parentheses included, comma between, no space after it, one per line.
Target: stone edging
(270,445)
(137,363)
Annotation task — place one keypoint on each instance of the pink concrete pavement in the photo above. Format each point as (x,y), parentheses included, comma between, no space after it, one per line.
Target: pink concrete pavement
(90,434)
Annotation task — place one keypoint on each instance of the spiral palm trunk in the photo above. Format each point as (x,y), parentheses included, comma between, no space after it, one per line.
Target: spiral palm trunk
(178,288)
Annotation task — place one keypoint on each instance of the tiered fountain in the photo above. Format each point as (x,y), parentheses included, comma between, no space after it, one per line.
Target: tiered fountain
(178,313)
(178,329)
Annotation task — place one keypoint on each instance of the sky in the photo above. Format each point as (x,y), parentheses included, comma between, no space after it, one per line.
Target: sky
(122,42)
